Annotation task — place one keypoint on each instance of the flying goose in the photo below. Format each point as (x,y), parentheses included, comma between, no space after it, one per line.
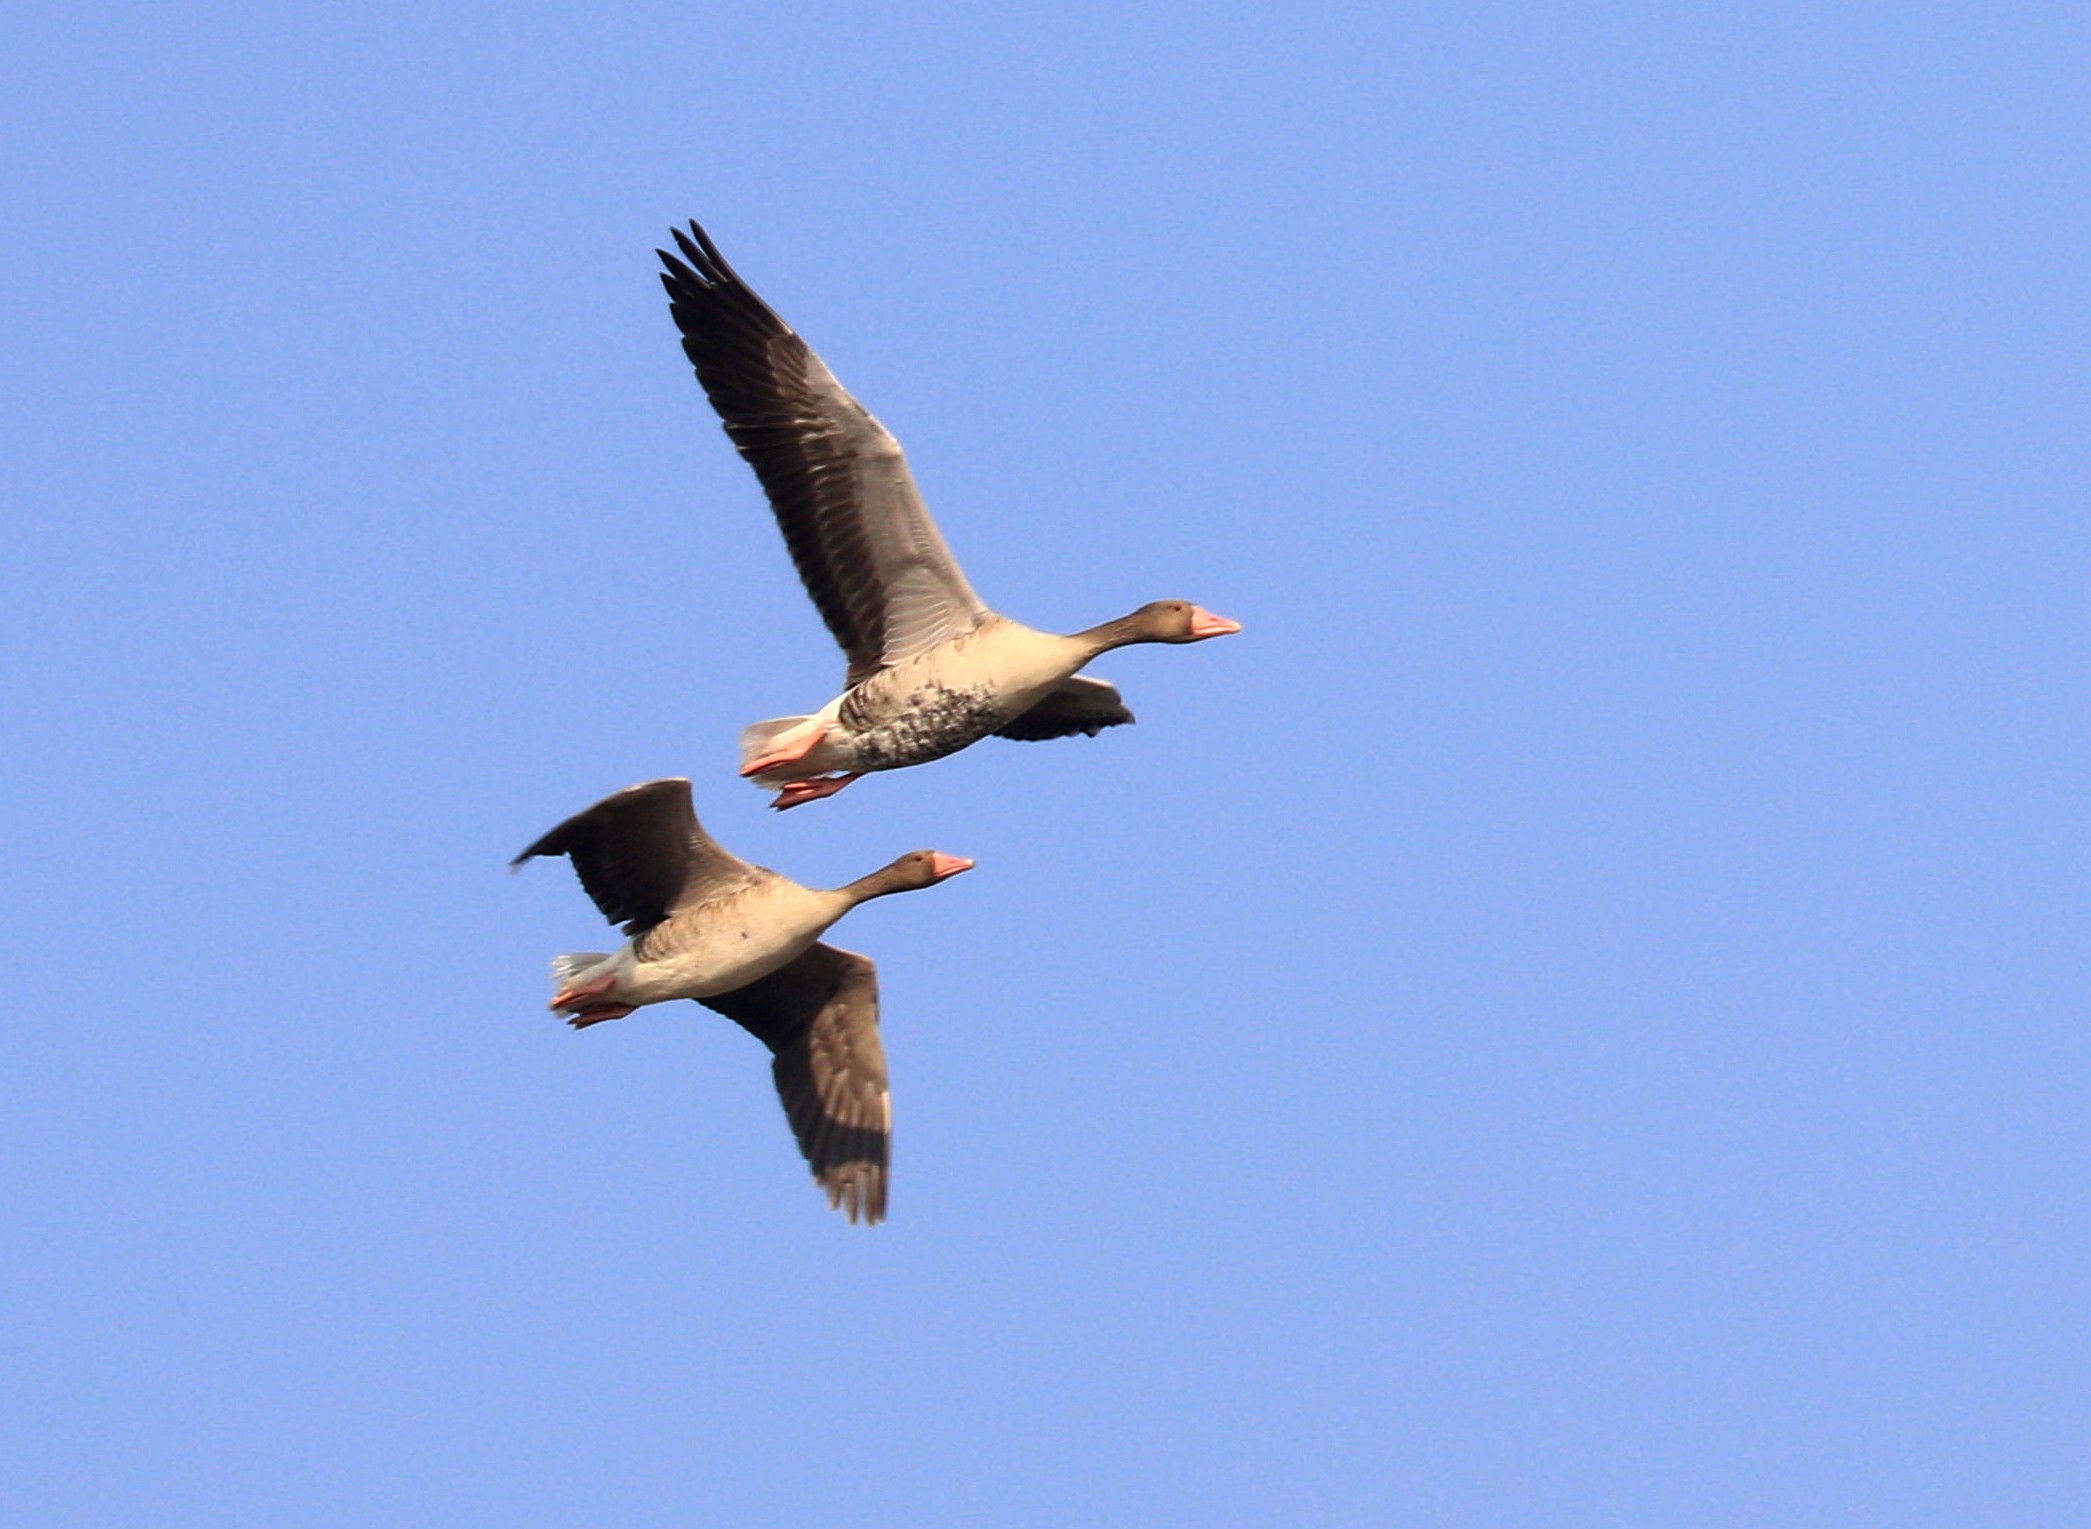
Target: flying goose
(742,941)
(931,668)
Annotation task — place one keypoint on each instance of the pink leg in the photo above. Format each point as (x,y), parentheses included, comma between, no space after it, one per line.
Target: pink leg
(797,791)
(598,1013)
(791,746)
(573,997)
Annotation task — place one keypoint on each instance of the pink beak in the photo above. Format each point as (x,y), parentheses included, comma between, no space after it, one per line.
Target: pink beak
(948,865)
(1205,624)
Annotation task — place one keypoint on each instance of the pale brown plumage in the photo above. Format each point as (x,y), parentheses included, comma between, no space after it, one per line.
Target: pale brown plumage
(931,668)
(742,941)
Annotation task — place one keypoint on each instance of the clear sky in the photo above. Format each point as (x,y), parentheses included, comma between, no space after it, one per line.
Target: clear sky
(1576,1017)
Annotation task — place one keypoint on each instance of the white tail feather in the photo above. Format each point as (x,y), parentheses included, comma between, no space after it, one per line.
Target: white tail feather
(758,737)
(566,969)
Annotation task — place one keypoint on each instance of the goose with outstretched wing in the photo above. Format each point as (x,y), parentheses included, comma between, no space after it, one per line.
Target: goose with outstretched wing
(745,942)
(931,668)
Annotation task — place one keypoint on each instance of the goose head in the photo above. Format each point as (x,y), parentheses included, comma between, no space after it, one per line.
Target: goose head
(1174,621)
(910,873)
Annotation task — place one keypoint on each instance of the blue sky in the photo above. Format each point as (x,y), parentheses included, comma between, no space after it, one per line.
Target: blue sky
(1577,1016)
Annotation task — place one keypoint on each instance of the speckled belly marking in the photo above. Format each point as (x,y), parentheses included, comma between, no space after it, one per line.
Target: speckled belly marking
(932,721)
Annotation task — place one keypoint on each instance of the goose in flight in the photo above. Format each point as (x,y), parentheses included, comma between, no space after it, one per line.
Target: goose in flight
(931,668)
(745,942)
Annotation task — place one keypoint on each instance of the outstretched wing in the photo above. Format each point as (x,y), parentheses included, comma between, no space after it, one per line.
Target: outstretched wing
(819,1014)
(642,853)
(865,547)
(1077,704)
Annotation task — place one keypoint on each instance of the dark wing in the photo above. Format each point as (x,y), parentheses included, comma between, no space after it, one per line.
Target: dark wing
(642,853)
(1077,705)
(865,547)
(820,1015)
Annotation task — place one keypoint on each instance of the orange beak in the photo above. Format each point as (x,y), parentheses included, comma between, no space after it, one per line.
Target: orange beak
(948,865)
(1205,624)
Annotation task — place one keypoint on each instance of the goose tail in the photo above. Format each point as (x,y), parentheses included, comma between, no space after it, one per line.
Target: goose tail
(759,739)
(574,969)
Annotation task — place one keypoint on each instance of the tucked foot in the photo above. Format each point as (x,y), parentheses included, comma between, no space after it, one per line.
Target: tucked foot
(598,1013)
(797,791)
(577,997)
(792,745)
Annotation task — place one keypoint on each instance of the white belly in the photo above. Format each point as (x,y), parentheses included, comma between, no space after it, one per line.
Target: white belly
(702,971)
(727,945)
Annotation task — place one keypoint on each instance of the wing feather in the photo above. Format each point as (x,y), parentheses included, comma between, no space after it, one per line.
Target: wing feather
(865,547)
(1078,704)
(819,1016)
(641,854)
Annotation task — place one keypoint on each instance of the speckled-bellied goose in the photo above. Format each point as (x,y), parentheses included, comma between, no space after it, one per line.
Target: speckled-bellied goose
(931,668)
(743,941)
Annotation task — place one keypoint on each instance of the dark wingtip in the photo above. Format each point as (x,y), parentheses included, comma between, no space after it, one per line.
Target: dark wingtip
(704,241)
(677,275)
(857,1190)
(542,845)
(698,249)
(701,255)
